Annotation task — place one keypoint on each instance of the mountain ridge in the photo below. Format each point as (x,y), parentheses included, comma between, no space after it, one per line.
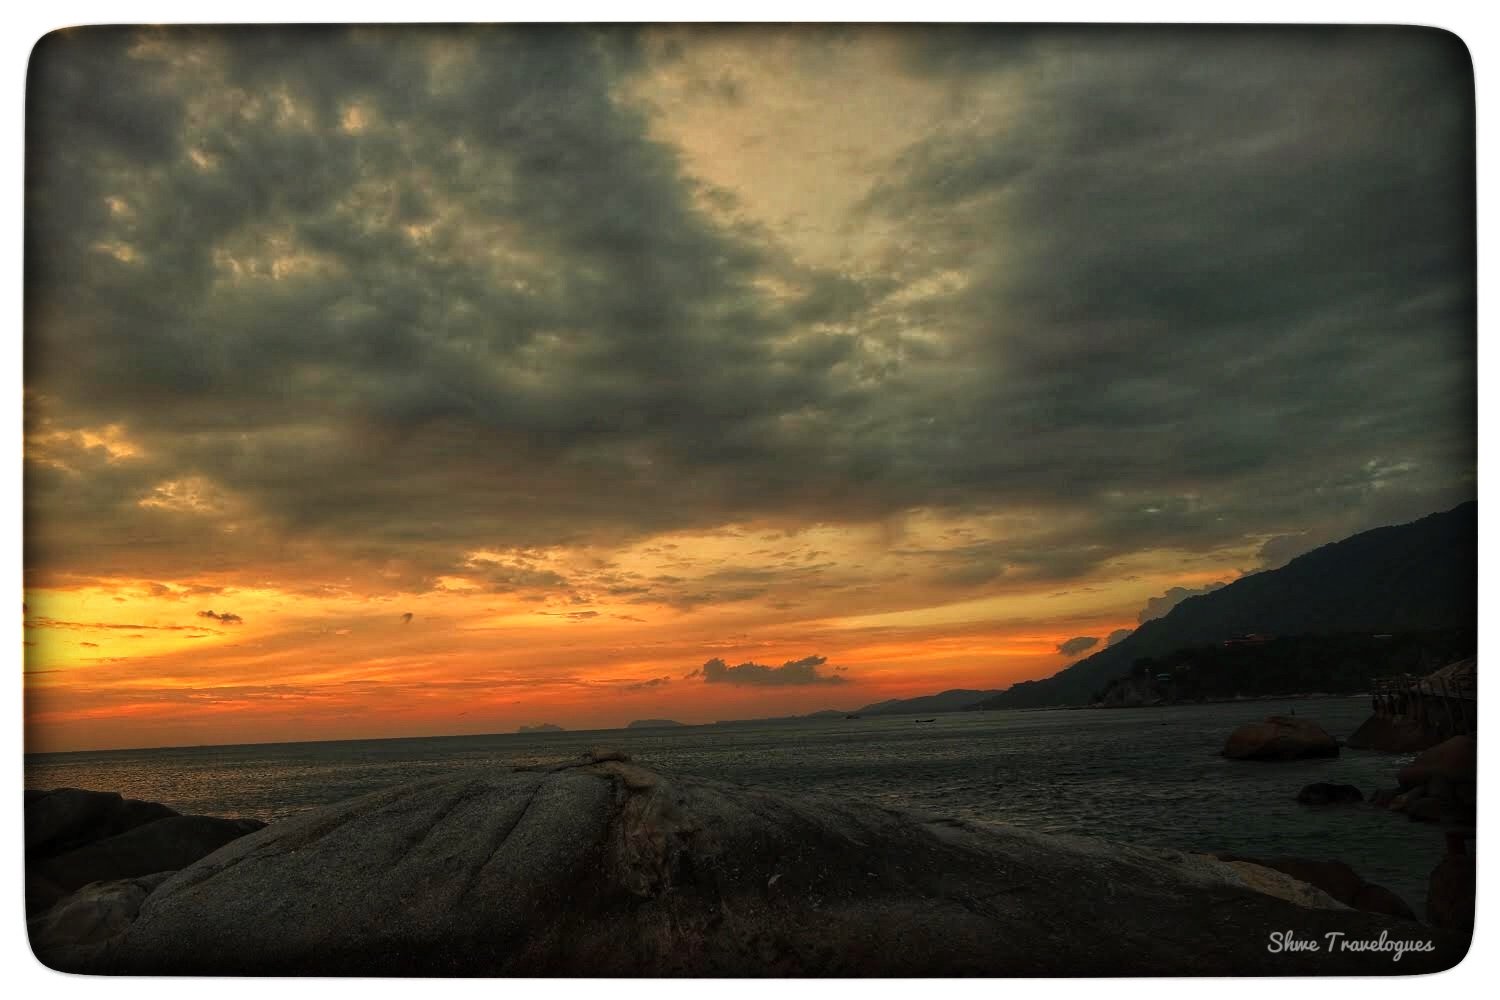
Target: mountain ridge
(1407,577)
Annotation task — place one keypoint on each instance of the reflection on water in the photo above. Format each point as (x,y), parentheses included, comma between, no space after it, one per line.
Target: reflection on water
(1149,776)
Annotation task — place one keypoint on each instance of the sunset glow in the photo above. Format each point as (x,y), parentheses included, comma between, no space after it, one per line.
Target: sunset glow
(396,382)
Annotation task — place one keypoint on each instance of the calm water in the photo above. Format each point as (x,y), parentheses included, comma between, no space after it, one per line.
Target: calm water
(1150,776)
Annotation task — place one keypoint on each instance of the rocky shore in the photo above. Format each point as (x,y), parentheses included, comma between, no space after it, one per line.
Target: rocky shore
(604,867)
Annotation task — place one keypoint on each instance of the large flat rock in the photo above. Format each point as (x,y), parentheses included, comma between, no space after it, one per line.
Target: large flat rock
(162,845)
(61,819)
(609,869)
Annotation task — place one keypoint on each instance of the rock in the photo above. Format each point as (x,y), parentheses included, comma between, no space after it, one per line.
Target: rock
(41,894)
(615,869)
(1322,793)
(1280,737)
(62,815)
(164,845)
(1283,886)
(1393,735)
(1426,809)
(1450,889)
(1338,880)
(64,818)
(1374,898)
(1453,760)
(75,837)
(1384,796)
(84,924)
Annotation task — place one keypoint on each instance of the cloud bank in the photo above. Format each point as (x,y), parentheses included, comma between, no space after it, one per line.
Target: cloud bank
(352,304)
(791,673)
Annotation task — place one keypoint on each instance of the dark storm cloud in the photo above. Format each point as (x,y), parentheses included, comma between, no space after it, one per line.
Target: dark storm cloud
(1077,644)
(395,368)
(395,295)
(792,673)
(1226,266)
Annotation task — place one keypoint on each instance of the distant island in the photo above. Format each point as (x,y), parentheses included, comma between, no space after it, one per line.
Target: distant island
(956,700)
(545,727)
(656,724)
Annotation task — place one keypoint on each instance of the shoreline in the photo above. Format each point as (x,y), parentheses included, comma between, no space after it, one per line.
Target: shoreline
(633,846)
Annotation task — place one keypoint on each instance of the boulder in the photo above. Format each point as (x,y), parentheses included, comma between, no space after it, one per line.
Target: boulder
(75,837)
(1427,809)
(1392,735)
(1322,793)
(41,893)
(1280,737)
(1453,761)
(608,868)
(64,818)
(1450,889)
(87,922)
(1338,880)
(163,845)
(1374,898)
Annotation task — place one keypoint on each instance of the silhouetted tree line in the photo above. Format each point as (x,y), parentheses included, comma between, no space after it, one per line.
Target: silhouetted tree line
(1286,665)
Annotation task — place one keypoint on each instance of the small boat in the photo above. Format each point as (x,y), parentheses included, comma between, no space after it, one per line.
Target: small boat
(920,721)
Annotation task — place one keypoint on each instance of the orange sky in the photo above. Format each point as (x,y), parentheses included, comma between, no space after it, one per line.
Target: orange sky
(138,663)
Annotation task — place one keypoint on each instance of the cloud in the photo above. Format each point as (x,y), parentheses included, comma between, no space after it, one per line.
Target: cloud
(791,673)
(332,282)
(1156,607)
(1279,550)
(647,685)
(44,622)
(181,591)
(504,577)
(1117,635)
(1077,644)
(406,618)
(226,618)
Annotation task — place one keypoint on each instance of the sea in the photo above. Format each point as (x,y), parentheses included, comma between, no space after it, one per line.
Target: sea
(1146,776)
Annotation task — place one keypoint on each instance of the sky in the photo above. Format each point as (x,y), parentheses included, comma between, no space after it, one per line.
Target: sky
(389,381)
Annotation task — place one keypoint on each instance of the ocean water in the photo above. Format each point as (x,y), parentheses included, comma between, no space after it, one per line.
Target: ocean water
(1144,776)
